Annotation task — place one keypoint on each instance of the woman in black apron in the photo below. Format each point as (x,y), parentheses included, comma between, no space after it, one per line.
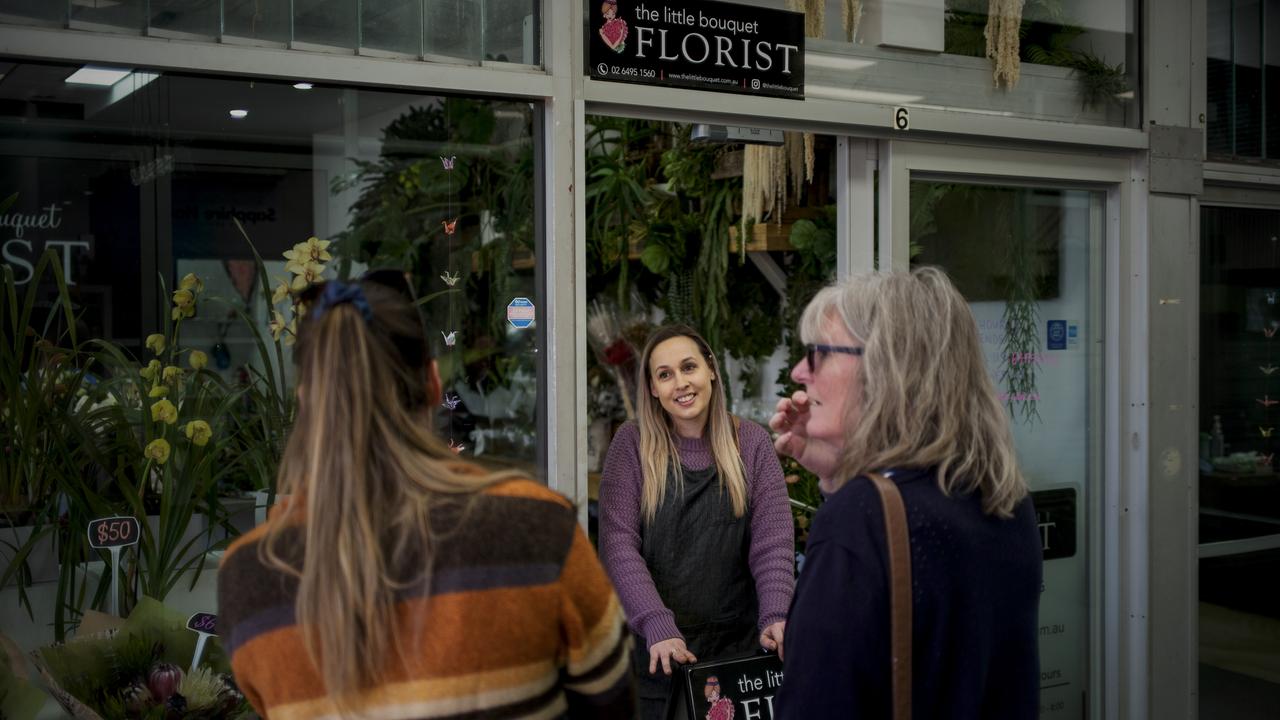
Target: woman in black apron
(702,560)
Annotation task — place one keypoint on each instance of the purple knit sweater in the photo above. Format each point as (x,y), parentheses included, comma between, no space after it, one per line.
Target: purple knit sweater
(772,532)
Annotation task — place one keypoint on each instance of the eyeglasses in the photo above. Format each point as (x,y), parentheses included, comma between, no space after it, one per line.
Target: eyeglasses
(811,350)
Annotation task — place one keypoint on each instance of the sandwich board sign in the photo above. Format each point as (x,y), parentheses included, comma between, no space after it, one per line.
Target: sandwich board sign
(736,687)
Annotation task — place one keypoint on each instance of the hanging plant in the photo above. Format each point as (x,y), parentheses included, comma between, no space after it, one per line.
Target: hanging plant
(1021,320)
(771,175)
(1004,20)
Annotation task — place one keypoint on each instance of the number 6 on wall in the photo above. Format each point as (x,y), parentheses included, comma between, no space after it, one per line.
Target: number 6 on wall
(901,119)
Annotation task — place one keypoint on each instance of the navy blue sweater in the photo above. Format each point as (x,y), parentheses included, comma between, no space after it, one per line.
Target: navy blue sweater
(975,609)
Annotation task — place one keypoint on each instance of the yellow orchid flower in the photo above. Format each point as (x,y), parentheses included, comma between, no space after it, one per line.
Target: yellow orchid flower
(191,282)
(198,360)
(183,298)
(292,337)
(165,412)
(277,324)
(297,258)
(171,373)
(315,249)
(157,450)
(281,293)
(158,391)
(310,273)
(151,371)
(155,343)
(199,432)
(181,313)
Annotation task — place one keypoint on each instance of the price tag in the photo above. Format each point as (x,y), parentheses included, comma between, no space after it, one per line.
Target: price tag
(206,623)
(901,119)
(114,532)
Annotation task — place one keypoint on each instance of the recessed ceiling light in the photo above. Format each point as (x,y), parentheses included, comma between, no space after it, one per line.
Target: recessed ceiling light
(100,76)
(239,114)
(302,86)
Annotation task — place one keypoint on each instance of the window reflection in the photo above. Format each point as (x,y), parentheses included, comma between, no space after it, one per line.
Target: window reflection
(1239,488)
(154,176)
(1027,261)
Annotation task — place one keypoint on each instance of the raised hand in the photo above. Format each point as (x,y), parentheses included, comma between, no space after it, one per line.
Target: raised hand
(790,421)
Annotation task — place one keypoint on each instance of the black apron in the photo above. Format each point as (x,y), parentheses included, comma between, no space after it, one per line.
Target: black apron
(697,553)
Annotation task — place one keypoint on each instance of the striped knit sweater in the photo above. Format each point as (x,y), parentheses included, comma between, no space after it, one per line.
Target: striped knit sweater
(518,621)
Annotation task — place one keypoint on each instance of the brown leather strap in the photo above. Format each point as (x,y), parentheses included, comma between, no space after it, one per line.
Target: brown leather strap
(895,528)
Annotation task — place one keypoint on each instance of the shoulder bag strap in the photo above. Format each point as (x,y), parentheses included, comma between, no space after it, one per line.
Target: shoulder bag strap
(895,526)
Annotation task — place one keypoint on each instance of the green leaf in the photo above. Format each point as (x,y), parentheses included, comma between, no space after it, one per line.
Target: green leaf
(656,258)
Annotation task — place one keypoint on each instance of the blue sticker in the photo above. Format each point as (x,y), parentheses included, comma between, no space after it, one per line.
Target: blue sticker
(520,313)
(1057,334)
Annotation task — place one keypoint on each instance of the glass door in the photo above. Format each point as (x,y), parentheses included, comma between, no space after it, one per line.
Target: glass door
(1239,608)
(1024,237)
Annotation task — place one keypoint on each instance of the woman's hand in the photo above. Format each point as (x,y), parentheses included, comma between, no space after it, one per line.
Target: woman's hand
(669,651)
(771,638)
(791,422)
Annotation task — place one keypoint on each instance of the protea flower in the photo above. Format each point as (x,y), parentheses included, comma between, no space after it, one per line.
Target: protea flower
(137,698)
(175,707)
(164,680)
(230,696)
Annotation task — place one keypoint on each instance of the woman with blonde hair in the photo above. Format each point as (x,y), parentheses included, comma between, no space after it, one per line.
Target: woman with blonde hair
(401,581)
(897,397)
(695,528)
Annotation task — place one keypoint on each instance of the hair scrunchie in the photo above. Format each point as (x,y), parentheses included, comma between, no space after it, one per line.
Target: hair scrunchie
(337,292)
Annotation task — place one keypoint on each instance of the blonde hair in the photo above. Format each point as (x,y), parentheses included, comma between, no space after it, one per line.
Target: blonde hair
(364,469)
(927,399)
(658,451)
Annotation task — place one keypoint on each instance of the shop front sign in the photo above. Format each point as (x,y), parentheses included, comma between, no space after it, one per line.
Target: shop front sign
(24,245)
(698,44)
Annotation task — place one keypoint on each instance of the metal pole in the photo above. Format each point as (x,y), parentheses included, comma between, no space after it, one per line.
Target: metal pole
(115,581)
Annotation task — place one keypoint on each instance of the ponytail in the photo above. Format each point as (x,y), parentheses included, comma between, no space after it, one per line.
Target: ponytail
(363,469)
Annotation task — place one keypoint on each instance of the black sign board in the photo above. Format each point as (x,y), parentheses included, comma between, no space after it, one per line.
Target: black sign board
(699,44)
(110,532)
(1056,516)
(737,687)
(206,623)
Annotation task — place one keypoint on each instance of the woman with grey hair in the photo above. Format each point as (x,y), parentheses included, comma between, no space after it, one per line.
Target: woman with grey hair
(897,397)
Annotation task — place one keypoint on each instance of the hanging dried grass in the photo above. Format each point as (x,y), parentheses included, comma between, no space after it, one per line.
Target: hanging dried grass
(815,18)
(793,144)
(808,157)
(850,18)
(773,177)
(1004,19)
(764,184)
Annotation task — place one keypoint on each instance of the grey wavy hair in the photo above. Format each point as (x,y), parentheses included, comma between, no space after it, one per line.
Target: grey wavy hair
(927,398)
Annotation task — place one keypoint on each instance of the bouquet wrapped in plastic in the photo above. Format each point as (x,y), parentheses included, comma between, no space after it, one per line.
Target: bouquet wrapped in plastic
(140,670)
(614,352)
(19,699)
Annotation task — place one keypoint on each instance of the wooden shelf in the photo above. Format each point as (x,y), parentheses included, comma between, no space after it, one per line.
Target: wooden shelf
(766,236)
